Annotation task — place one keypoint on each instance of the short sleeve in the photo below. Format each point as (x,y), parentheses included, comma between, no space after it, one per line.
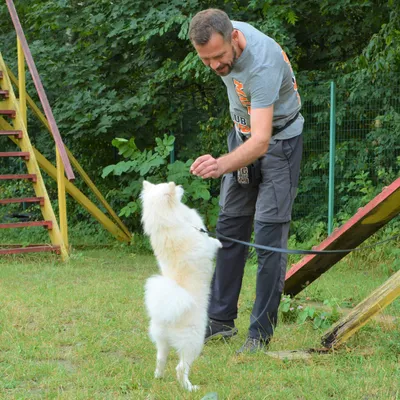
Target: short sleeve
(265,85)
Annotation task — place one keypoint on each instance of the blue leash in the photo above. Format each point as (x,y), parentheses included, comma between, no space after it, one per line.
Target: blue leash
(299,251)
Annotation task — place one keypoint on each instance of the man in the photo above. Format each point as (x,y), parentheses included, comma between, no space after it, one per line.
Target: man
(264,105)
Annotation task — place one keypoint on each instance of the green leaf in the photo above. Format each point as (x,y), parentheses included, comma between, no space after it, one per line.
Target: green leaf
(107,170)
(303,315)
(285,307)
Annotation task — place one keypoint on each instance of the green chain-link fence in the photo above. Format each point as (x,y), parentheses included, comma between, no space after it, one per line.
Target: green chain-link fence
(367,150)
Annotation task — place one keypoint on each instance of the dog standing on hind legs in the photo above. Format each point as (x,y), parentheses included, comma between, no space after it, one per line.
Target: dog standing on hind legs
(177,299)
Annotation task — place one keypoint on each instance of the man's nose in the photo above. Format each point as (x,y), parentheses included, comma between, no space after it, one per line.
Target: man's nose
(215,64)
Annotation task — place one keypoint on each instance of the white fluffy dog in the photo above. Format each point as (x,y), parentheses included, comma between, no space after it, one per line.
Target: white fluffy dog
(177,300)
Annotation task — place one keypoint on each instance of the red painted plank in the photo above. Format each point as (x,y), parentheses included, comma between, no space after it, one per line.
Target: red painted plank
(11,133)
(40,90)
(31,177)
(10,113)
(39,200)
(360,227)
(17,249)
(15,246)
(4,93)
(23,154)
(46,224)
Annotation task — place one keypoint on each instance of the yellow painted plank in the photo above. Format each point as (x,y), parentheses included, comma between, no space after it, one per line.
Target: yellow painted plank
(363,312)
(83,200)
(30,102)
(21,86)
(97,193)
(62,201)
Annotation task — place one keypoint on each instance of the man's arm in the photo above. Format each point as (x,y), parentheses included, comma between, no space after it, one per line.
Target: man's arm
(207,166)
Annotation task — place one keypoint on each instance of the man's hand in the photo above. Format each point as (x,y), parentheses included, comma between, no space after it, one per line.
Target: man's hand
(206,167)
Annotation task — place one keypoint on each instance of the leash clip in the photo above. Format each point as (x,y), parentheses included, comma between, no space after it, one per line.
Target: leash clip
(200,229)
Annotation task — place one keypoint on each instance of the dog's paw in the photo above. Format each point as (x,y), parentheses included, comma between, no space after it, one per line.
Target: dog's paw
(217,243)
(158,374)
(192,388)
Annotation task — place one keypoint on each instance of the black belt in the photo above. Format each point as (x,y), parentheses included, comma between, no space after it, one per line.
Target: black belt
(275,130)
(290,122)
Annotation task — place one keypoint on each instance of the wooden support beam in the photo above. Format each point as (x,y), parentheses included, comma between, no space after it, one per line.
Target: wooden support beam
(363,312)
(368,220)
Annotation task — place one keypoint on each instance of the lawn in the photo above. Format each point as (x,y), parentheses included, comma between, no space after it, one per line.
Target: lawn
(79,331)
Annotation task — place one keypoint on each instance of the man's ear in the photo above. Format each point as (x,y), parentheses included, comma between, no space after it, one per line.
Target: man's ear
(235,35)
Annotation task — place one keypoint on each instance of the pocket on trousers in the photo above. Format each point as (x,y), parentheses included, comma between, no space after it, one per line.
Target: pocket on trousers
(223,190)
(284,200)
(234,199)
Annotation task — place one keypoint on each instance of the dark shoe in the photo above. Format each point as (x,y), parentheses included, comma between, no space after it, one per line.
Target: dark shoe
(252,345)
(219,329)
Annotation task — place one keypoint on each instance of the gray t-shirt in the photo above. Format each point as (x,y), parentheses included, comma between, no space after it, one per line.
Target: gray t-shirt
(261,77)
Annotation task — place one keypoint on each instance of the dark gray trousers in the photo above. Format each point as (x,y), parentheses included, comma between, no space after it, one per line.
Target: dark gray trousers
(269,204)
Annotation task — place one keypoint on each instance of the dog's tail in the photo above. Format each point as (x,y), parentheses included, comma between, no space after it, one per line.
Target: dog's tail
(166,301)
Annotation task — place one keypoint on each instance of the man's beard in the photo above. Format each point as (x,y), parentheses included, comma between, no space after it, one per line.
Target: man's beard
(230,66)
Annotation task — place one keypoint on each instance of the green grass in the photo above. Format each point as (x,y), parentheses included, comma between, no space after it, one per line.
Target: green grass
(79,331)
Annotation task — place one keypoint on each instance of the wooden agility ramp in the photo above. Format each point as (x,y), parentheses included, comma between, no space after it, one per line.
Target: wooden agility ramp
(361,226)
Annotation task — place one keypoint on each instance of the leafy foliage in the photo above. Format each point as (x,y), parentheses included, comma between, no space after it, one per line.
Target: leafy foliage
(153,166)
(126,69)
(321,318)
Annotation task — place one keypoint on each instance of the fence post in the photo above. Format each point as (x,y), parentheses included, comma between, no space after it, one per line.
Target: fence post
(332,145)
(172,154)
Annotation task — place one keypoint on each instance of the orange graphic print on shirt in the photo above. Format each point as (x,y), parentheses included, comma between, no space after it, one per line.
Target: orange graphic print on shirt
(240,122)
(286,58)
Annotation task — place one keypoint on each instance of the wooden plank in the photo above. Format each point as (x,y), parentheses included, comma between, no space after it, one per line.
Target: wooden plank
(360,227)
(8,113)
(9,177)
(23,154)
(29,249)
(22,83)
(363,312)
(46,224)
(4,93)
(17,245)
(62,201)
(18,134)
(39,200)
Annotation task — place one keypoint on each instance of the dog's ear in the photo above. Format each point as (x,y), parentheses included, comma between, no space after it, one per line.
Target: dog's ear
(146,184)
(171,186)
